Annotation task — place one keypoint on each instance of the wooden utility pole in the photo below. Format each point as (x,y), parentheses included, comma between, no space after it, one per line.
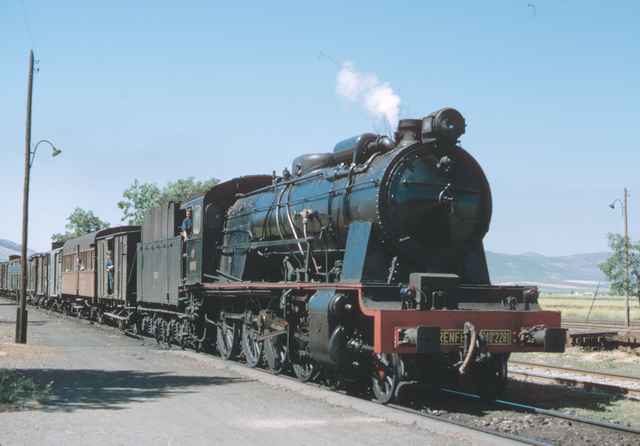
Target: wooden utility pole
(626,257)
(21,319)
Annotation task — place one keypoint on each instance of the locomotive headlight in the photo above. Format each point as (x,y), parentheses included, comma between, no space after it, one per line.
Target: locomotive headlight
(447,124)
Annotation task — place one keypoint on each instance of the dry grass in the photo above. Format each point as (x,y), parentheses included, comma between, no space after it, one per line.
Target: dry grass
(609,308)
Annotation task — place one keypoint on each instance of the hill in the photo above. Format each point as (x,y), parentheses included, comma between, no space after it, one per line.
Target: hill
(578,272)
(9,248)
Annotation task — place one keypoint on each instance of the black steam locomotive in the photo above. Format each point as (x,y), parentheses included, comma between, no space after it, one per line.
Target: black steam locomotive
(363,265)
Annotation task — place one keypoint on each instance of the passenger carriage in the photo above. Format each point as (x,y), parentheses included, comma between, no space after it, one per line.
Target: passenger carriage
(85,278)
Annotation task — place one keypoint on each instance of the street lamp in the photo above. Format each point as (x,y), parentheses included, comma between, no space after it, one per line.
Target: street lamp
(54,150)
(29,157)
(625,212)
(21,319)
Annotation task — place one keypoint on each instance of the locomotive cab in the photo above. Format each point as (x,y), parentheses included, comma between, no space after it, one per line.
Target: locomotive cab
(193,245)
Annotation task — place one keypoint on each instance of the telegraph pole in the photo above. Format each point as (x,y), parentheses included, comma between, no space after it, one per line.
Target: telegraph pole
(21,319)
(626,256)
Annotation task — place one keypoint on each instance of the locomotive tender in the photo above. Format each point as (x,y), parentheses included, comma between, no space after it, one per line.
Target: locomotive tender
(364,265)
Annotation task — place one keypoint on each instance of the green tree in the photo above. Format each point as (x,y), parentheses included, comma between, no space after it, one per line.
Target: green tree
(80,222)
(141,196)
(137,199)
(186,188)
(614,266)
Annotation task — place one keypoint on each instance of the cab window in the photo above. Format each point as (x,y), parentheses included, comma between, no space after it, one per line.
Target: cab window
(197,219)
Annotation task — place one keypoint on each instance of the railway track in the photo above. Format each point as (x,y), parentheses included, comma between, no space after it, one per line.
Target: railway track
(519,407)
(602,334)
(601,325)
(590,381)
(547,412)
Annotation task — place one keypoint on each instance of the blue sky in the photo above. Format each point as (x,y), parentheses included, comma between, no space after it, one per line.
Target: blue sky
(163,90)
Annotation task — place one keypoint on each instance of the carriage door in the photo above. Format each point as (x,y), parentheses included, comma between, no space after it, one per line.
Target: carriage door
(76,268)
(120,276)
(101,271)
(44,284)
(57,274)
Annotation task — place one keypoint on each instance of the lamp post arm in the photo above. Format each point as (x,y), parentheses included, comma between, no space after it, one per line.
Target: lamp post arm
(32,153)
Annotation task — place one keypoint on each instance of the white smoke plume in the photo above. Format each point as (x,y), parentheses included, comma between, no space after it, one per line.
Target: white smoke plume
(378,98)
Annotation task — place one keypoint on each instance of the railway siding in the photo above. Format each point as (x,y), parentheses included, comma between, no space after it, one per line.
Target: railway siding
(589,381)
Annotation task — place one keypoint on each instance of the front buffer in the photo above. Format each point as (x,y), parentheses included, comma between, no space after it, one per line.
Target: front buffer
(414,335)
(471,340)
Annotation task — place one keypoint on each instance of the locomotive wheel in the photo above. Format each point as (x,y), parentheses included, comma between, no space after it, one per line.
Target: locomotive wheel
(305,369)
(166,333)
(490,378)
(147,325)
(157,330)
(251,347)
(227,340)
(385,378)
(137,326)
(171,332)
(184,333)
(275,353)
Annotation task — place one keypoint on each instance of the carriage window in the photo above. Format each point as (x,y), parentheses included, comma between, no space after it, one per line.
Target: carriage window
(197,219)
(84,261)
(68,263)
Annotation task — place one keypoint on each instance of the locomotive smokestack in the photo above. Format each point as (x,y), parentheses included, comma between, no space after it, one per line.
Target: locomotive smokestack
(446,124)
(409,130)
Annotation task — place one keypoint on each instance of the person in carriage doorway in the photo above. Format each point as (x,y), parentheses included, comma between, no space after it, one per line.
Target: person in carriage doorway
(108,266)
(187,226)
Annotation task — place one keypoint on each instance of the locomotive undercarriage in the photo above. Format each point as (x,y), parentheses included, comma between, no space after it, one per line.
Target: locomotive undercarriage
(271,327)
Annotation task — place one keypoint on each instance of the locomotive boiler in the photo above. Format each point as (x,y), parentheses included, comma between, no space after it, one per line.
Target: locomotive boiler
(420,203)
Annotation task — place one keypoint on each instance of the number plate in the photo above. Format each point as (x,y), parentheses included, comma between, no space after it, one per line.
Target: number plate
(493,337)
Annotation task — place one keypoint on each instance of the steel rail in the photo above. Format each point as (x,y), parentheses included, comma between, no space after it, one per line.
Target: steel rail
(635,379)
(551,413)
(585,385)
(518,438)
(601,324)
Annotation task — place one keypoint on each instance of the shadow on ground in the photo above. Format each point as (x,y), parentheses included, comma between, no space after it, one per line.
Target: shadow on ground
(114,389)
(554,397)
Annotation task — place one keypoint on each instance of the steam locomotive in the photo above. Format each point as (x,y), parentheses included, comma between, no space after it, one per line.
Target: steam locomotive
(364,265)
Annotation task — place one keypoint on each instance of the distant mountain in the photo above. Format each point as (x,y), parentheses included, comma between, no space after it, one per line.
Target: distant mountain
(9,248)
(578,272)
